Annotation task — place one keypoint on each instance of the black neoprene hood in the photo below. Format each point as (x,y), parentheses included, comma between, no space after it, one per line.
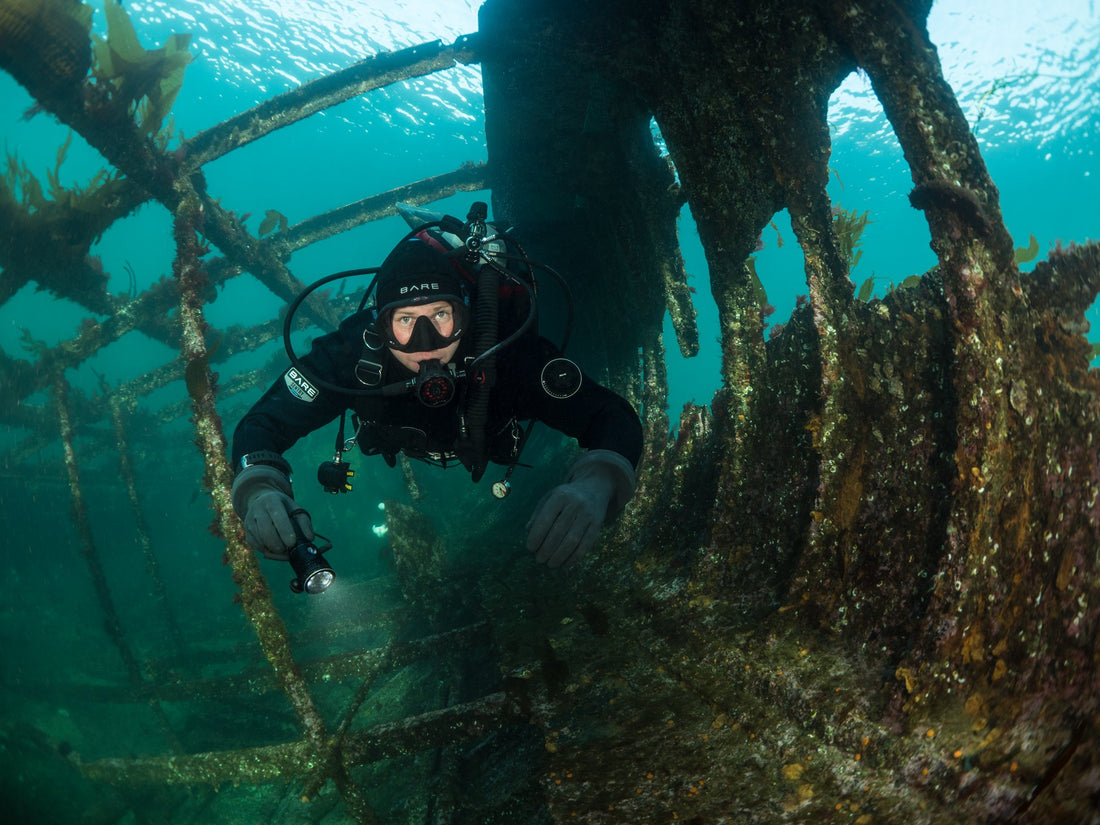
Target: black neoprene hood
(416,273)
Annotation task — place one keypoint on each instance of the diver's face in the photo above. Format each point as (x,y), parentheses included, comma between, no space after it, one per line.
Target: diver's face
(441,315)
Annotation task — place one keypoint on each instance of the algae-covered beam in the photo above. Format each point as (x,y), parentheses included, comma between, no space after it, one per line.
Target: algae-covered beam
(255,596)
(90,553)
(468,178)
(148,312)
(274,763)
(430,730)
(371,73)
(87,546)
(152,564)
(278,763)
(339,667)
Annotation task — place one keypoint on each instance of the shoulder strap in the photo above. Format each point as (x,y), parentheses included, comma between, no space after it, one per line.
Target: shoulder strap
(368,370)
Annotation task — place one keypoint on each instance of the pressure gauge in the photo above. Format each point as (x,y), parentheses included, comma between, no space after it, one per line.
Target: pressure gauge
(561,378)
(501,489)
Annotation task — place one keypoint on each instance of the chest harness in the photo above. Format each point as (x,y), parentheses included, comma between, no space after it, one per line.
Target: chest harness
(490,259)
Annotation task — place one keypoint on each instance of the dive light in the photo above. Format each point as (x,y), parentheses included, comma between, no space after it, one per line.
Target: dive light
(312,573)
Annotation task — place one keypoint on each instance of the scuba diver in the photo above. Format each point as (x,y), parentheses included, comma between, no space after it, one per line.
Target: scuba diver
(445,367)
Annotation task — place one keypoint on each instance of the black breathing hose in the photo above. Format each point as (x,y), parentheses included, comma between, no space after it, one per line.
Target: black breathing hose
(486,319)
(288,323)
(485,345)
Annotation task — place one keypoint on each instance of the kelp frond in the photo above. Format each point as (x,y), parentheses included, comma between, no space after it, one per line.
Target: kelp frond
(848,225)
(147,79)
(1026,254)
(19,183)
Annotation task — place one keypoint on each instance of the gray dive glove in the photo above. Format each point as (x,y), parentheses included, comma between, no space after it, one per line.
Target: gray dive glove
(263,498)
(567,522)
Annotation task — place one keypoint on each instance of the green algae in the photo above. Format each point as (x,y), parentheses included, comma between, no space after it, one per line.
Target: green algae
(148,80)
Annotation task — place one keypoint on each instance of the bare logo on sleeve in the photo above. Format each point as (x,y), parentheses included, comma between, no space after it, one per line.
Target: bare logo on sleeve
(298,385)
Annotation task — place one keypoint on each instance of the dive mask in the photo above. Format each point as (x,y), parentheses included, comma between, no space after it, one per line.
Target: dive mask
(425,337)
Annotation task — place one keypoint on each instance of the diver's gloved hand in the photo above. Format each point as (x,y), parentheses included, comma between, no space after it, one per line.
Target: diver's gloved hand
(567,521)
(263,498)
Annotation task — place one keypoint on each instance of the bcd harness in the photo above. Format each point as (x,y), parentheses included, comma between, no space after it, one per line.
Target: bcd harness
(436,386)
(468,386)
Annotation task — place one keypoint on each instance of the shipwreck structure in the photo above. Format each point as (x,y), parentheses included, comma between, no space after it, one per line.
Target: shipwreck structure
(860,586)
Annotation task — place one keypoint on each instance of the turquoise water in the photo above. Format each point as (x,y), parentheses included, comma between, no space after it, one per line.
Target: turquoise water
(1027,75)
(1028,78)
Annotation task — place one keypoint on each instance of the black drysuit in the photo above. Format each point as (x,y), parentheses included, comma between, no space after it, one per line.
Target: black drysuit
(294,406)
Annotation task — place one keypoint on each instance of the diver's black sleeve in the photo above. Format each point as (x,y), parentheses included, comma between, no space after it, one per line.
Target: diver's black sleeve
(295,405)
(597,417)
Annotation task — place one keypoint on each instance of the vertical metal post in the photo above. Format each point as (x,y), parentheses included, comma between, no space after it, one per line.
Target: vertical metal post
(152,566)
(210,437)
(255,596)
(91,557)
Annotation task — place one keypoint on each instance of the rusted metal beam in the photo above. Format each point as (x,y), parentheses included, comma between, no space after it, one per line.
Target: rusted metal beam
(90,553)
(256,681)
(255,596)
(325,92)
(276,763)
